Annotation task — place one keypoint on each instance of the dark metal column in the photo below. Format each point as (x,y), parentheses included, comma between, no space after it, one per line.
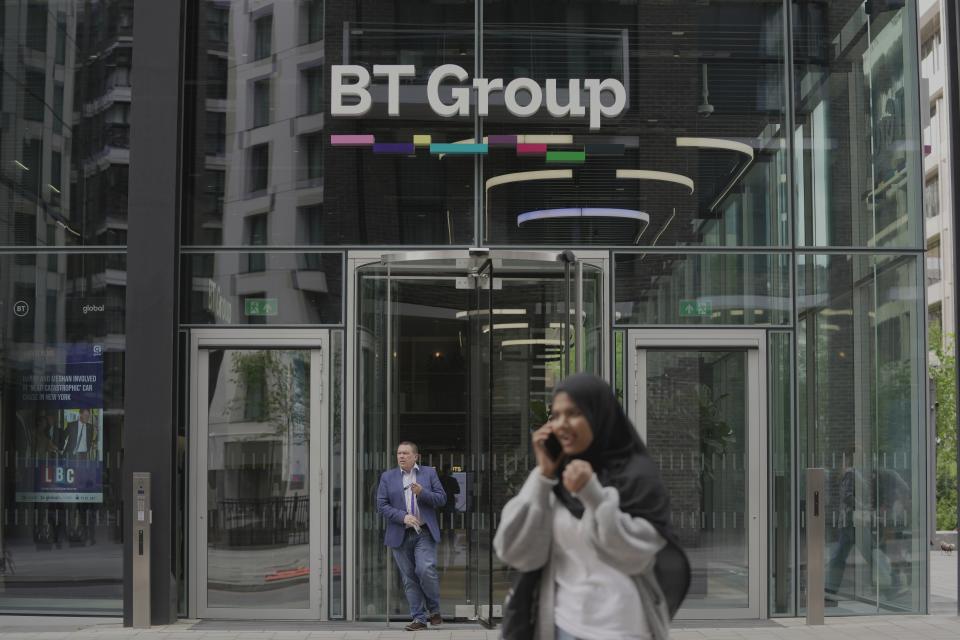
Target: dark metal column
(950,23)
(152,242)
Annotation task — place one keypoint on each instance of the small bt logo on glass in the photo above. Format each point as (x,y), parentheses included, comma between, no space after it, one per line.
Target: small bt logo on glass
(21,308)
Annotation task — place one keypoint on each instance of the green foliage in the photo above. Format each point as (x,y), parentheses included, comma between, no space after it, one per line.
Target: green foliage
(943,373)
(267,393)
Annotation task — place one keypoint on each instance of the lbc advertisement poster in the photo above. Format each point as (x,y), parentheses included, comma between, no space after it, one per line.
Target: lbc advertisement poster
(60,426)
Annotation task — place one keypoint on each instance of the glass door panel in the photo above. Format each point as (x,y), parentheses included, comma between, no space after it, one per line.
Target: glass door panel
(698,409)
(535,306)
(483,329)
(697,430)
(460,353)
(373,563)
(259,541)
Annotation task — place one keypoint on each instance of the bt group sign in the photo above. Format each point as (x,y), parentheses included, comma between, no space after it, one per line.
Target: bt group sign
(350,80)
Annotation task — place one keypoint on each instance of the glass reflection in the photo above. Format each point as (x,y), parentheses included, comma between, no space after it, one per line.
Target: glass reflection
(65,128)
(702,134)
(860,357)
(262,288)
(702,289)
(261,130)
(857,142)
(697,412)
(61,427)
(258,470)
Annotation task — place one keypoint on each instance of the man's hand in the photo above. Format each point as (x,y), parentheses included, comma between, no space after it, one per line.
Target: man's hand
(411,521)
(577,475)
(416,488)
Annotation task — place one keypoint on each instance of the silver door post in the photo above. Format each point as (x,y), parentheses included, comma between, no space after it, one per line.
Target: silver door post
(815,545)
(142,518)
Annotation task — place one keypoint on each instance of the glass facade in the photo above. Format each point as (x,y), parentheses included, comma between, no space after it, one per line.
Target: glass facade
(64,159)
(583,174)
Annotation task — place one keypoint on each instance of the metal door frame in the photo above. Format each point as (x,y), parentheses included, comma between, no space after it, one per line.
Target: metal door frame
(317,341)
(355,260)
(755,342)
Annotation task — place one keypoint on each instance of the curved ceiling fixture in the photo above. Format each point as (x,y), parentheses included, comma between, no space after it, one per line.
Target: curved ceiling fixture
(520,176)
(531,341)
(525,176)
(506,325)
(661,176)
(717,143)
(726,145)
(583,212)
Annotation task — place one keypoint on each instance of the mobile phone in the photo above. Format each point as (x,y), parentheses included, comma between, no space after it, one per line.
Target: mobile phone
(553,447)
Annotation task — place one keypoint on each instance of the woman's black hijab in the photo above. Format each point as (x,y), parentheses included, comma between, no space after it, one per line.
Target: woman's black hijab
(620,460)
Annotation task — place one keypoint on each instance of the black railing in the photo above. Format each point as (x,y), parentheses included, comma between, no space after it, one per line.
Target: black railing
(260,523)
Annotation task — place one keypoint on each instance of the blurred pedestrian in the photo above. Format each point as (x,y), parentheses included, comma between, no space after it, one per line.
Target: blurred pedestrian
(593,520)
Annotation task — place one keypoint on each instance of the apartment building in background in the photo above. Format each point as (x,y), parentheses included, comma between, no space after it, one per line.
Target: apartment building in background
(937,190)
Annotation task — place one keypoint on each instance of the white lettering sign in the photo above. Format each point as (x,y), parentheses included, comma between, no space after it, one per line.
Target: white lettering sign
(523,97)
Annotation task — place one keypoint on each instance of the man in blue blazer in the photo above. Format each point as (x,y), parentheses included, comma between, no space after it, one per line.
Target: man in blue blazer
(408,498)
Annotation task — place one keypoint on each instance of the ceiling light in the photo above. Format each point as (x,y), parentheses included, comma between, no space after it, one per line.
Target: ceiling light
(661,176)
(716,143)
(530,341)
(583,212)
(506,325)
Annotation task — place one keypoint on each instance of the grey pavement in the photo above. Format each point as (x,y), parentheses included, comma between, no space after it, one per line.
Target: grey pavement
(943,624)
(933,627)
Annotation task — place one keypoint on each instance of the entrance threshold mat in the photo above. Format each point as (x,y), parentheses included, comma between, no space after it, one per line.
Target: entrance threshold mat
(724,624)
(307,625)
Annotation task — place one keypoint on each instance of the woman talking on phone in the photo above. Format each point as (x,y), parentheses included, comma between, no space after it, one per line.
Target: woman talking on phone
(593,520)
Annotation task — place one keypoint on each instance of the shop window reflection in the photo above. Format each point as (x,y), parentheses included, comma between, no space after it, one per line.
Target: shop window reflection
(61,430)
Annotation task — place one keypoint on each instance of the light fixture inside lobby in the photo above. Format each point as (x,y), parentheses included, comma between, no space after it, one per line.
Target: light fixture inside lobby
(531,341)
(583,212)
(661,176)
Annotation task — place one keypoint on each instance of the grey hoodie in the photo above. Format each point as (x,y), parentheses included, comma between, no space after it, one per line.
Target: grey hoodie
(524,541)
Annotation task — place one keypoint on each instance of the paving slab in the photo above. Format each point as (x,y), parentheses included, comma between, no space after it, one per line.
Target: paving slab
(932,627)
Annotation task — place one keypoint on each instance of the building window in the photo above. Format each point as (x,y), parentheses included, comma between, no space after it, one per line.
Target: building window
(33,97)
(261,103)
(32,168)
(262,37)
(216,133)
(313,90)
(931,197)
(259,167)
(56,177)
(218,25)
(930,54)
(314,20)
(216,78)
(57,107)
(933,264)
(311,225)
(312,149)
(214,185)
(37,26)
(256,236)
(61,38)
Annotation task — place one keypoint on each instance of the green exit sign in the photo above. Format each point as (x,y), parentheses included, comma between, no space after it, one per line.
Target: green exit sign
(260,307)
(695,308)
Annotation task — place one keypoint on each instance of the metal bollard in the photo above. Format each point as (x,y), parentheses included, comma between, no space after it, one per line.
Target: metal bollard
(142,518)
(815,545)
